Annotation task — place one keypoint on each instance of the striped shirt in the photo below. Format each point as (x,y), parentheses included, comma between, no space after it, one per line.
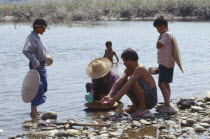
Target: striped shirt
(34,49)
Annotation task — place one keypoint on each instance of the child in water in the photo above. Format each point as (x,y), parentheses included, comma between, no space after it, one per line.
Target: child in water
(109,53)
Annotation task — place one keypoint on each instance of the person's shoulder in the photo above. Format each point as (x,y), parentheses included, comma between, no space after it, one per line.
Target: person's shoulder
(140,68)
(113,52)
(168,34)
(32,37)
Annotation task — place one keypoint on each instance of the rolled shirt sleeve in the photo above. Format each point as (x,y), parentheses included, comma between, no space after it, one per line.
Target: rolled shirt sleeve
(29,50)
(164,39)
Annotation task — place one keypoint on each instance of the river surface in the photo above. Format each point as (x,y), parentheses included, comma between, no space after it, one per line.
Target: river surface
(73,47)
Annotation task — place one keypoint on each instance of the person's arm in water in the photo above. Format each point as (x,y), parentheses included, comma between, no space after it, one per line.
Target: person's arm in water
(115,87)
(29,49)
(137,73)
(116,57)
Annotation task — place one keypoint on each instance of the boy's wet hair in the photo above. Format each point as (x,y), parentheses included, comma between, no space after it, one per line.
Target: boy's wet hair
(108,43)
(160,21)
(130,54)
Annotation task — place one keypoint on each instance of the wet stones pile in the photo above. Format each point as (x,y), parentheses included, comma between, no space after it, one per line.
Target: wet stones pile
(190,120)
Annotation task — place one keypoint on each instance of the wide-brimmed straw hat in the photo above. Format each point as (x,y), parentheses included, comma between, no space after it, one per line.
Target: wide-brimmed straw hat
(30,85)
(49,60)
(98,68)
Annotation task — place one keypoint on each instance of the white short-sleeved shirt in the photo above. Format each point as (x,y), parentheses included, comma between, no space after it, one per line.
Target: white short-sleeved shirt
(164,54)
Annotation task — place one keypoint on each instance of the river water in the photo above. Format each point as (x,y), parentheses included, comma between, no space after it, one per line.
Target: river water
(73,47)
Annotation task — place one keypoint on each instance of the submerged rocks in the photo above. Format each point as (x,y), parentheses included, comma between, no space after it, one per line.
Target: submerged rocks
(49,115)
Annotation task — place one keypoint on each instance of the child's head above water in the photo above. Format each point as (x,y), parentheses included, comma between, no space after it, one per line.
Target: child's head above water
(108,45)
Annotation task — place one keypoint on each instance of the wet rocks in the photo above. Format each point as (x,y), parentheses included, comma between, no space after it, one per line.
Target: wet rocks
(136,124)
(196,108)
(49,115)
(162,127)
(187,123)
(111,114)
(184,123)
(199,128)
(185,103)
(171,137)
(73,132)
(191,121)
(148,116)
(206,120)
(145,122)
(205,125)
(114,134)
(61,134)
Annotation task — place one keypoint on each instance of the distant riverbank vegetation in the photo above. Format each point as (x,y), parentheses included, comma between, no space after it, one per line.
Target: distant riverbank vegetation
(99,10)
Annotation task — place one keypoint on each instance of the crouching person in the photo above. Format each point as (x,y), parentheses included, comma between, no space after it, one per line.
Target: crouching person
(137,84)
(103,78)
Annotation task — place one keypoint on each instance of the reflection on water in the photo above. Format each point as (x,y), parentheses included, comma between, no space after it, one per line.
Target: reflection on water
(74,47)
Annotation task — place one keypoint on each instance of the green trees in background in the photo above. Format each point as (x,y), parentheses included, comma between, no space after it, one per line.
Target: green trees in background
(94,10)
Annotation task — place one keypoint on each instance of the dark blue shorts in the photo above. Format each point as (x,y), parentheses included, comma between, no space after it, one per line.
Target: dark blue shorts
(150,95)
(165,74)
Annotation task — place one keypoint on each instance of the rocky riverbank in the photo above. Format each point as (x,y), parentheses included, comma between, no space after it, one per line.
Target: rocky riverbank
(191,120)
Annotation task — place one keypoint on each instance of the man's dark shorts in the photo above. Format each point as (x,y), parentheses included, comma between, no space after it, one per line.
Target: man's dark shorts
(165,74)
(149,93)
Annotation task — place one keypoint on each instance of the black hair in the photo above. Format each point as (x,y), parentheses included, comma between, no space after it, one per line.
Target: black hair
(130,54)
(108,43)
(160,21)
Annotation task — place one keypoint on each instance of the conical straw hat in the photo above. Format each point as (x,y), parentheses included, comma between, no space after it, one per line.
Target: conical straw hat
(49,60)
(98,68)
(207,94)
(30,85)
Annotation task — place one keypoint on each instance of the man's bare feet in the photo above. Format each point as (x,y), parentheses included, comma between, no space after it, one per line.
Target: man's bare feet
(138,112)
(131,109)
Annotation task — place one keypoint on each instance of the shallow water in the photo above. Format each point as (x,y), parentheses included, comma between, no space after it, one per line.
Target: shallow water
(74,47)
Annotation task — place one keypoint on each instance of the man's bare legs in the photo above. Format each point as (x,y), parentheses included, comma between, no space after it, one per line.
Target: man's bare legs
(133,107)
(166,91)
(33,112)
(141,107)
